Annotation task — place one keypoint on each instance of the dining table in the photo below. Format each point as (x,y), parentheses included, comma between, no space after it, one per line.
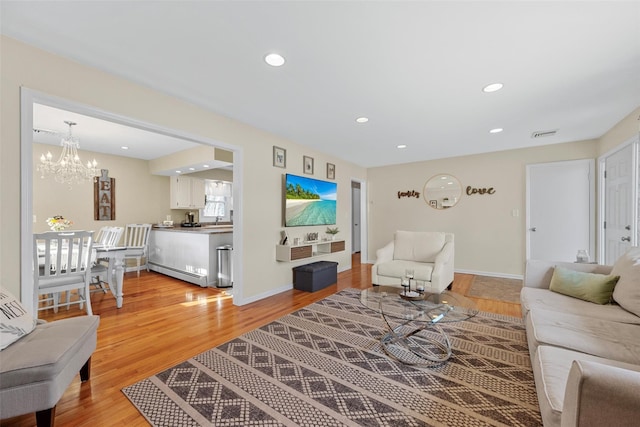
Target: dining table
(115,271)
(116,266)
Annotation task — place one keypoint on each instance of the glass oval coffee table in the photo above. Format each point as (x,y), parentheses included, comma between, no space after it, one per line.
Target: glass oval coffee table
(414,335)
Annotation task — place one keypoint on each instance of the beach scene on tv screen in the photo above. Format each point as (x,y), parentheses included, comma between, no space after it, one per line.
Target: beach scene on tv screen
(309,201)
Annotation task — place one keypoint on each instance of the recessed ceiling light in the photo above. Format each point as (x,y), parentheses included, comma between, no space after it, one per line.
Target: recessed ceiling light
(402,146)
(274,59)
(362,120)
(205,166)
(192,169)
(492,87)
(178,171)
(496,130)
(124,147)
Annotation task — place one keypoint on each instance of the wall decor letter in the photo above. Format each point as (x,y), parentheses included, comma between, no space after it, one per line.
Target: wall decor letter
(411,193)
(104,197)
(471,190)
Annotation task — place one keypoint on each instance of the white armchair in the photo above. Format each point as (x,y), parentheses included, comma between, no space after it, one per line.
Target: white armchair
(430,254)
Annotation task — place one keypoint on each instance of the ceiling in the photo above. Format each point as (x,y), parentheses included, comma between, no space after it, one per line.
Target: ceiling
(415,69)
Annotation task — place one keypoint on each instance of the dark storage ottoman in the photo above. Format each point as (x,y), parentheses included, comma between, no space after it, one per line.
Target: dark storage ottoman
(315,276)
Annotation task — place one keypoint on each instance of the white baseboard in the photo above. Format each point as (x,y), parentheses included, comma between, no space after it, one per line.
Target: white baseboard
(492,274)
(242,301)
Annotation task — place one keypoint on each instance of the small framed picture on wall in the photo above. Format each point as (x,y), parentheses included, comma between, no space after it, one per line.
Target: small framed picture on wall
(279,157)
(331,171)
(307,165)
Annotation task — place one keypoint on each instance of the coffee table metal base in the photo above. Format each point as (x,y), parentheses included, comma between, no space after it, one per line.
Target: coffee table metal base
(413,349)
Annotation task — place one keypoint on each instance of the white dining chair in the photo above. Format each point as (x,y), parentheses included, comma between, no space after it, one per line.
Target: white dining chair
(109,236)
(136,239)
(100,277)
(62,263)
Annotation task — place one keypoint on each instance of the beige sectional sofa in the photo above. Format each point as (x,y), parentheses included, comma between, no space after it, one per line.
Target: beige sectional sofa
(585,356)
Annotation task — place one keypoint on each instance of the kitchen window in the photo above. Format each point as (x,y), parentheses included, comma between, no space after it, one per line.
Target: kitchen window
(218,201)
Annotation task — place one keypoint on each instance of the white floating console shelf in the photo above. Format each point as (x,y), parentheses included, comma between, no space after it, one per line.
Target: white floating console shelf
(305,250)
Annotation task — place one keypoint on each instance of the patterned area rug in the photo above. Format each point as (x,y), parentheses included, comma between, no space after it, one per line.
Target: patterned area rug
(496,288)
(323,366)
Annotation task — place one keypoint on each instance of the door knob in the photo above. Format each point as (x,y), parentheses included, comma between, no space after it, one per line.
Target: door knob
(627,227)
(533,229)
(626,239)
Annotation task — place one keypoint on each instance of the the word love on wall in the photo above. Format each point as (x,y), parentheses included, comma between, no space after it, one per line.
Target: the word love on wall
(410,193)
(104,197)
(473,190)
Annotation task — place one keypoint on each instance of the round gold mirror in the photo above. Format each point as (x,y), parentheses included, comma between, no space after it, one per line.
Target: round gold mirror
(442,191)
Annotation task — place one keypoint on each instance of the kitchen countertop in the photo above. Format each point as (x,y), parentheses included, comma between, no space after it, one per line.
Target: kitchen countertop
(197,230)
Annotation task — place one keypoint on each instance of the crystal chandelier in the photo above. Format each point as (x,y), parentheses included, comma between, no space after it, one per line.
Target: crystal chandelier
(68,169)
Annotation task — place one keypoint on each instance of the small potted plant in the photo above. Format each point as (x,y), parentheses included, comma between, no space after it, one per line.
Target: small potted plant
(332,232)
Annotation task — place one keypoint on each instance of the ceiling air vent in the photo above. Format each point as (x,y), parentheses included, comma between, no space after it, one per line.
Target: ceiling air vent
(543,133)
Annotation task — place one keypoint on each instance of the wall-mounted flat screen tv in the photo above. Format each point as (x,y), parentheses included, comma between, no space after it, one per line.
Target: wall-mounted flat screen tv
(309,201)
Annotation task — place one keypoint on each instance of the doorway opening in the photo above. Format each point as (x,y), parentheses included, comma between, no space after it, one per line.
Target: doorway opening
(560,210)
(359,219)
(618,201)
(31,97)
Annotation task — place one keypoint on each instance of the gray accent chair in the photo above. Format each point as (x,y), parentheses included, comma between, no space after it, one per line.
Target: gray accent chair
(36,370)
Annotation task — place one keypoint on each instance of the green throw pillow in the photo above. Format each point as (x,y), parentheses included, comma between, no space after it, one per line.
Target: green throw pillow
(597,288)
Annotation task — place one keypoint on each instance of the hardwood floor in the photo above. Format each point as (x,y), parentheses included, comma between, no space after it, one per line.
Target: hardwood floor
(165,321)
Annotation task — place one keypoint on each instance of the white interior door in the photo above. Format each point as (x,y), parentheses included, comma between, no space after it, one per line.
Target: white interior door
(619,203)
(560,210)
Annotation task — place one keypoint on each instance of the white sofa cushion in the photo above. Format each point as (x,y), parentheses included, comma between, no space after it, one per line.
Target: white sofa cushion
(531,298)
(15,321)
(603,338)
(420,246)
(627,291)
(551,366)
(421,271)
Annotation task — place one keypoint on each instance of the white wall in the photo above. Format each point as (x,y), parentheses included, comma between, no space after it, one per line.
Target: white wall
(140,196)
(261,201)
(621,132)
(488,238)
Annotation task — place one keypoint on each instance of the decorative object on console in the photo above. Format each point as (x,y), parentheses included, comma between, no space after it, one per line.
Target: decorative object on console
(332,232)
(307,165)
(68,169)
(312,237)
(58,223)
(331,171)
(444,189)
(279,157)
(104,197)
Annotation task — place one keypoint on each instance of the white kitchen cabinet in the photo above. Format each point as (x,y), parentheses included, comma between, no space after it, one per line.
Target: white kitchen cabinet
(187,192)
